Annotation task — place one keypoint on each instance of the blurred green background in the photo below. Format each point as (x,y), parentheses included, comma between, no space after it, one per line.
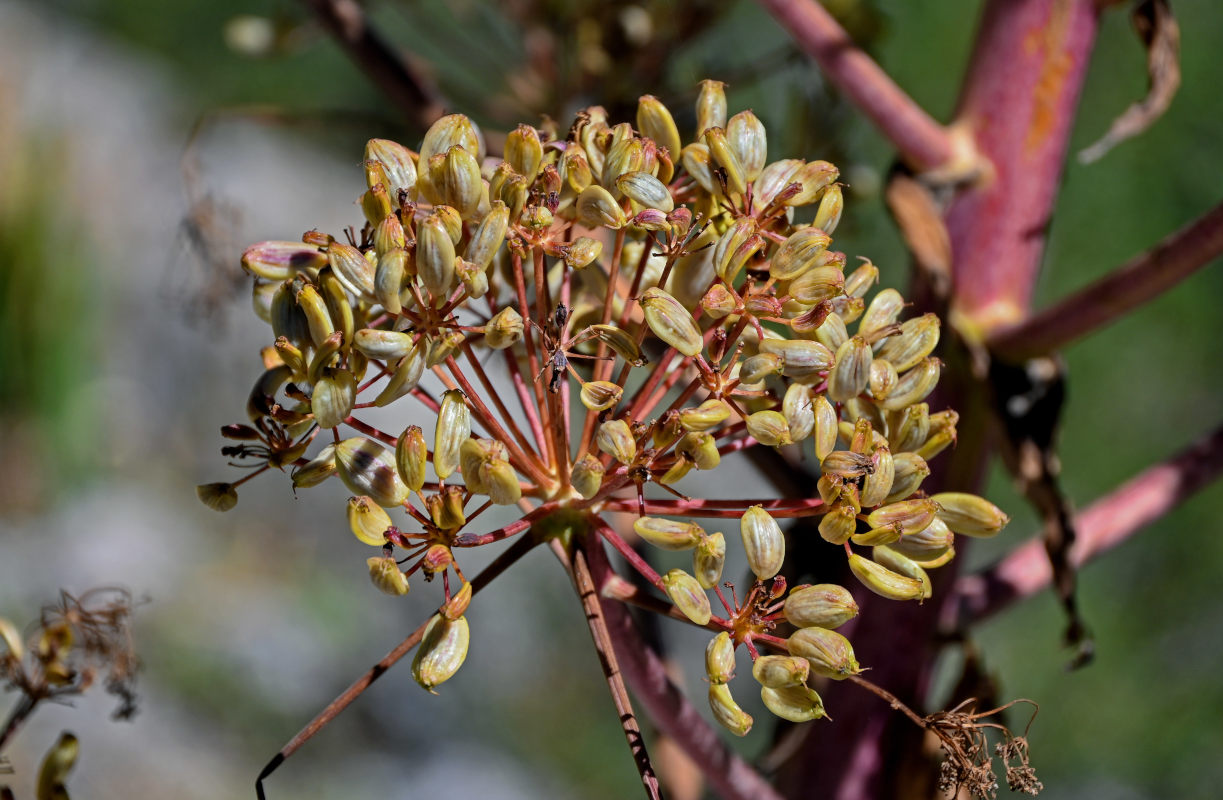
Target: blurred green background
(125,342)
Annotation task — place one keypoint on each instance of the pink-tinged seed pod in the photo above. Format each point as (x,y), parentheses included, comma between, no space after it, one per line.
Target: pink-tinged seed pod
(812,177)
(596,208)
(883,581)
(793,703)
(687,595)
(824,605)
(763,542)
(650,219)
(914,385)
(769,428)
(720,658)
(278,261)
(352,268)
(583,252)
(969,514)
(368,468)
(747,139)
(799,253)
(911,515)
(727,712)
(708,559)
(777,672)
(851,375)
(839,524)
(829,653)
(441,652)
(671,322)
(668,534)
(899,563)
(398,166)
(386,576)
(453,428)
(614,438)
(310,474)
(718,302)
(587,476)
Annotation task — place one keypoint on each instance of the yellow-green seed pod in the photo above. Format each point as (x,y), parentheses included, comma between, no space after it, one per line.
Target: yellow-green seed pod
(623,157)
(793,703)
(747,139)
(671,322)
(668,534)
(453,428)
(368,521)
(969,514)
(813,177)
(328,351)
(367,467)
(859,282)
(338,305)
(473,278)
(832,203)
(441,652)
(759,367)
(877,485)
(317,317)
(763,542)
(769,428)
(829,653)
(903,565)
(217,496)
(706,416)
(411,456)
(488,236)
(912,428)
(851,375)
(802,360)
(381,344)
(839,524)
(389,278)
(500,482)
(882,313)
(911,515)
(620,342)
(832,333)
(797,408)
(699,164)
(504,329)
(376,204)
(846,464)
(720,658)
(654,121)
(710,106)
(877,536)
(687,595)
(910,470)
(352,269)
(262,295)
(883,378)
(448,131)
(600,395)
(524,151)
(708,559)
(718,302)
(722,154)
(729,255)
(826,423)
(59,761)
(398,166)
(583,252)
(937,443)
(10,638)
(435,257)
(928,545)
(935,563)
(727,712)
(313,472)
(917,339)
(646,190)
(575,168)
(824,605)
(676,472)
(277,261)
(777,672)
(614,438)
(817,284)
(333,398)
(404,379)
(473,453)
(587,476)
(442,348)
(700,448)
(799,253)
(914,386)
(596,208)
(884,582)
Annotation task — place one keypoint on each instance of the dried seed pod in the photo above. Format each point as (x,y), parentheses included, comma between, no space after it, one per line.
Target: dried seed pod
(727,712)
(453,428)
(747,139)
(932,543)
(903,565)
(799,253)
(883,312)
(668,534)
(473,453)
(671,322)
(969,514)
(812,177)
(847,464)
(446,509)
(832,203)
(615,439)
(500,482)
(818,284)
(708,559)
(368,468)
(435,257)
(832,333)
(797,408)
(218,496)
(385,574)
(734,247)
(917,339)
(829,653)
(793,703)
(877,485)
(914,385)
(910,470)
(802,360)
(333,398)
(504,329)
(851,375)
(826,423)
(824,605)
(884,582)
(587,476)
(707,415)
(912,428)
(318,318)
(398,166)
(404,379)
(524,151)
(763,541)
(839,524)
(441,652)
(646,190)
(777,672)
(769,428)
(600,395)
(352,269)
(10,638)
(687,595)
(310,474)
(710,106)
(720,658)
(620,342)
(910,515)
(278,261)
(699,448)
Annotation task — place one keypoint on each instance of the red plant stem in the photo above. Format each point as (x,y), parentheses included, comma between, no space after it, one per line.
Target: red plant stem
(524,398)
(1139,280)
(645,672)
(482,376)
(370,430)
(588,427)
(919,138)
(1104,524)
(721,509)
(520,287)
(630,555)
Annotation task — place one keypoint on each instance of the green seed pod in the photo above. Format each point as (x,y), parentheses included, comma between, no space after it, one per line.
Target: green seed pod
(769,428)
(727,712)
(398,166)
(278,261)
(600,395)
(708,559)
(473,278)
(472,454)
(262,295)
(937,443)
(668,534)
(720,658)
(928,545)
(747,139)
(687,595)
(914,386)
(583,252)
(883,378)
(671,322)
(333,398)
(832,203)
(446,509)
(675,472)
(524,151)
(799,253)
(802,360)
(488,236)
(813,177)
(368,468)
(620,342)
(884,582)
(646,190)
(654,121)
(826,423)
(615,439)
(441,652)
(969,514)
(389,278)
(777,672)
(839,524)
(707,415)
(877,536)
(404,379)
(587,476)
(817,284)
(352,269)
(903,565)
(763,541)
(217,496)
(710,106)
(504,329)
(910,470)
(911,515)
(851,375)
(448,131)
(917,339)
(314,471)
(793,703)
(596,208)
(315,310)
(877,485)
(734,247)
(759,367)
(338,305)
(623,157)
(56,765)
(831,333)
(381,344)
(699,164)
(824,605)
(10,638)
(722,155)
(575,169)
(859,282)
(442,348)
(700,448)
(453,428)
(368,522)
(718,302)
(881,314)
(829,653)
(435,257)
(500,481)
(376,204)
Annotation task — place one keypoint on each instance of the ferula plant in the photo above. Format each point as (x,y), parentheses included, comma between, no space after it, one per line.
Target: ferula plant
(611,313)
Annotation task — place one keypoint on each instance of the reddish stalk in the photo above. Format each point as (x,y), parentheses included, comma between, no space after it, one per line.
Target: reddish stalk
(482,376)
(720,509)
